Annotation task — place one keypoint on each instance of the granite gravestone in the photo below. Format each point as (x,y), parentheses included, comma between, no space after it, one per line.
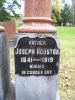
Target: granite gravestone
(4,66)
(36,66)
(10,29)
(36,53)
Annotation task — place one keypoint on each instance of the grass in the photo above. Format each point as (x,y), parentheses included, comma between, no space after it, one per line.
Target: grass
(66,86)
(67,63)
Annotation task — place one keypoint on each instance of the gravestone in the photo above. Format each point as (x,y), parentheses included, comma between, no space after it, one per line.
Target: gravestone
(4,65)
(36,66)
(36,52)
(10,29)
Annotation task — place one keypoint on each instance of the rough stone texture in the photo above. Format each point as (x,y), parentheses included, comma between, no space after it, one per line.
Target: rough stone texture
(4,66)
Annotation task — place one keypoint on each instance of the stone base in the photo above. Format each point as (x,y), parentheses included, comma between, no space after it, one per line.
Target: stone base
(11,93)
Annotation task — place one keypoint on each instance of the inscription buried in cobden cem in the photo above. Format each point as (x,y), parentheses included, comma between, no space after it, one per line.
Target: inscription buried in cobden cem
(36,56)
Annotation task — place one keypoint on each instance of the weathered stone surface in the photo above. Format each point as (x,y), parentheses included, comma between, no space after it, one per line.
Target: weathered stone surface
(37,8)
(37,20)
(10,29)
(4,66)
(11,93)
(37,17)
(36,88)
(33,87)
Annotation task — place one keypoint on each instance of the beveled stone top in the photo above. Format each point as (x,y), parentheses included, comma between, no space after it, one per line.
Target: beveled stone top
(2,29)
(10,28)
